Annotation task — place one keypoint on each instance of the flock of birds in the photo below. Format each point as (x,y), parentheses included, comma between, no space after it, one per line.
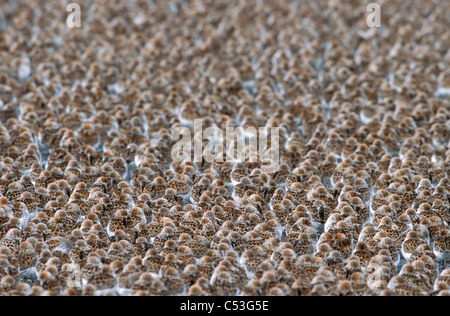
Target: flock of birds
(92,203)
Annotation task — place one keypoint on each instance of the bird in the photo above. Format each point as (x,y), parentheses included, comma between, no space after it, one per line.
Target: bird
(408,274)
(387,226)
(251,260)
(444,277)
(105,279)
(345,288)
(303,245)
(224,284)
(441,247)
(27,256)
(153,261)
(402,287)
(92,267)
(412,241)
(363,253)
(363,190)
(173,282)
